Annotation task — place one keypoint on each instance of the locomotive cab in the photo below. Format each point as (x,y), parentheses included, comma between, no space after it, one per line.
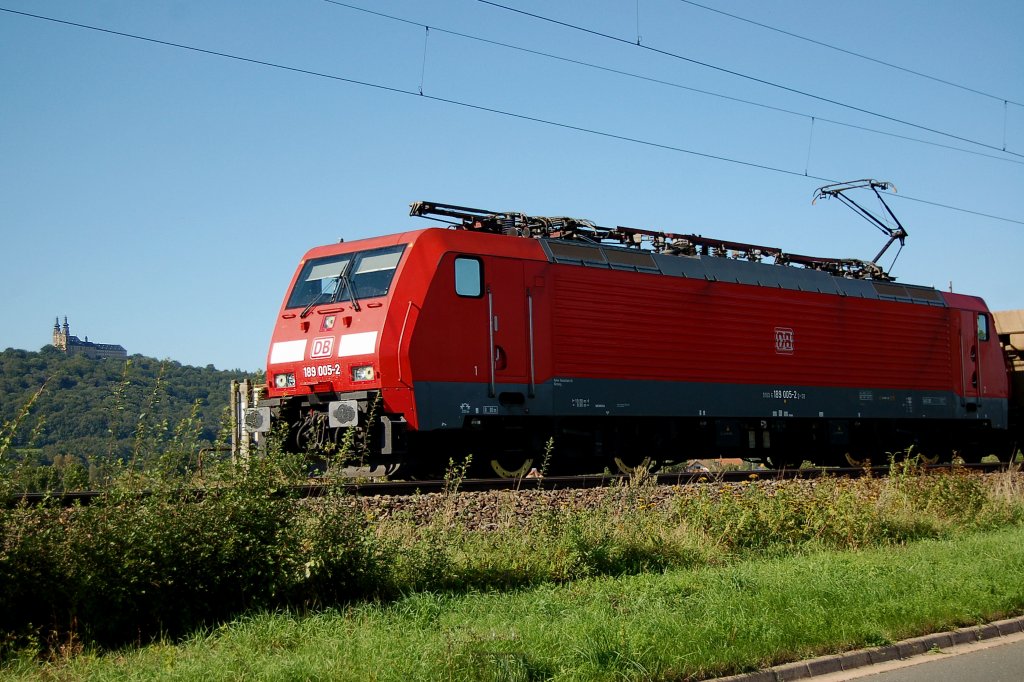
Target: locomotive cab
(412,341)
(323,369)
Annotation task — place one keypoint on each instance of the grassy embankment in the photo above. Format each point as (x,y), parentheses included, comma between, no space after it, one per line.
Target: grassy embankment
(639,585)
(681,624)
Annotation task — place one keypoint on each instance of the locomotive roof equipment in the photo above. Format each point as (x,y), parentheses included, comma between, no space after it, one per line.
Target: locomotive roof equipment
(838,191)
(513,223)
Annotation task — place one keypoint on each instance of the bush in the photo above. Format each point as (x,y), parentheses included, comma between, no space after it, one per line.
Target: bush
(130,567)
(337,558)
(34,575)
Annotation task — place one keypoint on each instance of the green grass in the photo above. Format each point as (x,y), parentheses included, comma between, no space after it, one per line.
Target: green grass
(683,623)
(642,528)
(636,582)
(130,569)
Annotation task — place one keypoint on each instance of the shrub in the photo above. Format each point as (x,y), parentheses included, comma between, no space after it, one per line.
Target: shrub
(130,567)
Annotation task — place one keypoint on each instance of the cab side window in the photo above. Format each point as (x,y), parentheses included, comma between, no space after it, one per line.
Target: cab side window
(468,277)
(982,327)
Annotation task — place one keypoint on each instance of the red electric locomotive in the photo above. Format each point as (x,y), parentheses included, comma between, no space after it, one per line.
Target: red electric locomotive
(436,343)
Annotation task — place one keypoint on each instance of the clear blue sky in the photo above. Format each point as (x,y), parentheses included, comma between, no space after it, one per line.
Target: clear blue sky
(161,198)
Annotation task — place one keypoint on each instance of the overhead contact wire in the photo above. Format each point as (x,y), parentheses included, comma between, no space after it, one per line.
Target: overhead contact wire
(403,91)
(657,81)
(955,208)
(477,107)
(745,76)
(852,53)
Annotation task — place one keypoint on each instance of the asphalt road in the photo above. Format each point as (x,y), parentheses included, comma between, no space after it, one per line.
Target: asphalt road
(995,660)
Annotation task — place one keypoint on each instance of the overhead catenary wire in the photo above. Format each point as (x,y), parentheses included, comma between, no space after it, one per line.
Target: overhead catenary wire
(469,105)
(953,208)
(738,74)
(852,53)
(658,81)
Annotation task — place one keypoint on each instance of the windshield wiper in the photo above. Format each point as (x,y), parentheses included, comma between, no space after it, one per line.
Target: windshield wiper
(342,277)
(347,282)
(343,282)
(309,306)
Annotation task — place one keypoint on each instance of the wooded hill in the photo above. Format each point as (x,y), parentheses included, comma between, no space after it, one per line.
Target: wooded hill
(89,408)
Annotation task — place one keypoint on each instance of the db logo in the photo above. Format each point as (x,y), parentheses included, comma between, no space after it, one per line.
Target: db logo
(784,340)
(322,347)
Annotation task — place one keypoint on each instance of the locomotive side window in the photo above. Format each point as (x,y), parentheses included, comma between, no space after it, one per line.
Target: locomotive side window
(468,277)
(365,274)
(982,327)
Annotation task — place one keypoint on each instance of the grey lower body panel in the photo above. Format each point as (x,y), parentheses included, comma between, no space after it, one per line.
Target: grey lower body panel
(444,405)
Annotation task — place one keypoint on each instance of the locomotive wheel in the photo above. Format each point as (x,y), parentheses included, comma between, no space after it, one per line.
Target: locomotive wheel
(628,464)
(512,466)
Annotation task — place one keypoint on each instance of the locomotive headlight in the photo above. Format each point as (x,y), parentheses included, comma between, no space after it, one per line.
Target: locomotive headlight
(284,380)
(362,373)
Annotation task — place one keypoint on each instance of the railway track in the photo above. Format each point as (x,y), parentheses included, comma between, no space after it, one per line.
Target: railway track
(381,488)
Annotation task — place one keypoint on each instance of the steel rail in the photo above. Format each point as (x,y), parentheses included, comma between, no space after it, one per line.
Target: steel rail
(316,489)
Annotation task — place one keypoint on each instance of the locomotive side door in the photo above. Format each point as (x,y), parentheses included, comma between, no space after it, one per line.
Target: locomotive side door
(507,322)
(970,359)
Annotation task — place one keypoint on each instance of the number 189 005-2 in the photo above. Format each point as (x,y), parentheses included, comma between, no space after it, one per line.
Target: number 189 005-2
(322,371)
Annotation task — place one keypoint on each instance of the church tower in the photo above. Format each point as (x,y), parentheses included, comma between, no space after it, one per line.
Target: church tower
(60,337)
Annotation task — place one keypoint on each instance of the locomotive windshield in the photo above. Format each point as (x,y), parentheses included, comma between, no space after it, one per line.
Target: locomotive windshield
(364,274)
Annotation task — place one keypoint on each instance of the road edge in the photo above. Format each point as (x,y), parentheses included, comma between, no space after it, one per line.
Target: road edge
(851,660)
